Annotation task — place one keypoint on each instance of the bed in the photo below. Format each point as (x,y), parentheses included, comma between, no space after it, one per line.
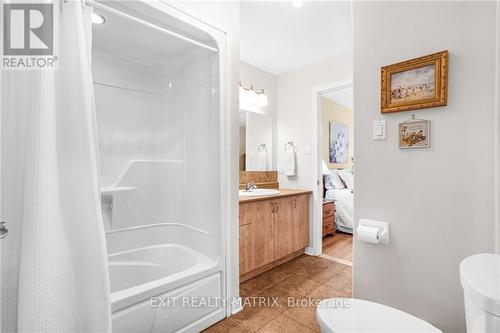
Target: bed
(343,208)
(344,198)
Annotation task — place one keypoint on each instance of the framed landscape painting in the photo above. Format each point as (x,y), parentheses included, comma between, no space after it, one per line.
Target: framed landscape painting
(415,84)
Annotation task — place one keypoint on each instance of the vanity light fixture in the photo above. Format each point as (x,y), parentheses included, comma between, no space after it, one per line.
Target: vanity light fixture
(250,98)
(98,19)
(262,98)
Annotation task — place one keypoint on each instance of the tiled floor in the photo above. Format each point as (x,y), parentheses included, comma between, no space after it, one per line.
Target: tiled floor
(338,246)
(294,287)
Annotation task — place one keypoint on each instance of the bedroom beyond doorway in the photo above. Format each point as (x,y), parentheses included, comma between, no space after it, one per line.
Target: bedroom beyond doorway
(335,108)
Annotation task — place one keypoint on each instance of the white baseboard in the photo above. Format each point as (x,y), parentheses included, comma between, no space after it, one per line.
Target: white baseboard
(310,251)
(236,307)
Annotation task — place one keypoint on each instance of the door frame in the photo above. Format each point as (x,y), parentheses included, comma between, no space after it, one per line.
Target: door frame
(316,247)
(496,152)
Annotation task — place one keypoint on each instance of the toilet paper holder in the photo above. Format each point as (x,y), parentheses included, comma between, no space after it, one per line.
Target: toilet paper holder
(383,229)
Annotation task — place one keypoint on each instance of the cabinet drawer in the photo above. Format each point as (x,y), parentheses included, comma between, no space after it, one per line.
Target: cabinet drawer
(328,225)
(328,209)
(328,228)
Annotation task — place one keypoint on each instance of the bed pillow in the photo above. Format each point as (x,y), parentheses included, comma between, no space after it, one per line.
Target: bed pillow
(347,177)
(333,181)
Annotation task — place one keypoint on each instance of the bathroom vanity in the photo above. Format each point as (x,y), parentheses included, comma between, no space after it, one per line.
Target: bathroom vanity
(273,229)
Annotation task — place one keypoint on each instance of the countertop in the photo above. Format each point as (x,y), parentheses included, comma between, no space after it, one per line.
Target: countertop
(284,192)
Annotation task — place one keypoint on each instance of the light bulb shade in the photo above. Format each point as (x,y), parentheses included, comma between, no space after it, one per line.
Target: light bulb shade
(251,100)
(261,99)
(244,96)
(97,18)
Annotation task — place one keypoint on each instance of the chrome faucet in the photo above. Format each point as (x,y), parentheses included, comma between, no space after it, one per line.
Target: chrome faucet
(3,230)
(250,186)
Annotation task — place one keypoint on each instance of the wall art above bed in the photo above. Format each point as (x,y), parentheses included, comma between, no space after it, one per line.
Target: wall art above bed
(415,84)
(339,142)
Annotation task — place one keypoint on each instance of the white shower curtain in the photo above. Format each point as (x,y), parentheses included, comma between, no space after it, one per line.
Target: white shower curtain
(54,266)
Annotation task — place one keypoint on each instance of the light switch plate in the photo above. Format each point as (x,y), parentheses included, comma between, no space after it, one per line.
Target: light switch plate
(308,149)
(379,129)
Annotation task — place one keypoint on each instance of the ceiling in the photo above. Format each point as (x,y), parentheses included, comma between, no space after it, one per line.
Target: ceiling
(278,38)
(343,97)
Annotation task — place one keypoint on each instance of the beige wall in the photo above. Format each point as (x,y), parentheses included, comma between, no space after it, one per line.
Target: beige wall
(296,115)
(332,111)
(437,216)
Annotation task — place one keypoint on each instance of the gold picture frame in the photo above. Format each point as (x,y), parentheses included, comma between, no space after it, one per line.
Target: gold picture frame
(415,84)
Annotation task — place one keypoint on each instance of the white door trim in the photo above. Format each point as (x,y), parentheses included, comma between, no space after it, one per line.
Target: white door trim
(496,154)
(315,231)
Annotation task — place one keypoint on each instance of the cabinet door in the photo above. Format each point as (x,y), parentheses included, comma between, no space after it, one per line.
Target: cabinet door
(245,248)
(256,235)
(262,233)
(283,225)
(300,222)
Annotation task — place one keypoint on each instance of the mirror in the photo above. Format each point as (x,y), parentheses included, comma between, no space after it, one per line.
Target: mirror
(256,141)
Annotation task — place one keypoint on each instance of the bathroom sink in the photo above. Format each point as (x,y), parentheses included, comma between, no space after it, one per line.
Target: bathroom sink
(258,192)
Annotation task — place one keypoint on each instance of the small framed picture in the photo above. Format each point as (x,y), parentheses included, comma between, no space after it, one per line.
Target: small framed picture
(414,134)
(415,84)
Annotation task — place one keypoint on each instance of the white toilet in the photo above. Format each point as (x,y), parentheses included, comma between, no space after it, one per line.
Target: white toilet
(480,278)
(338,315)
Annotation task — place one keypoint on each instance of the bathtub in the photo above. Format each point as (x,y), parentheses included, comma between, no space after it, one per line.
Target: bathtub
(163,261)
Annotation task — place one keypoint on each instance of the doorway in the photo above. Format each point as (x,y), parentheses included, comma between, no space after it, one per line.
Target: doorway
(334,158)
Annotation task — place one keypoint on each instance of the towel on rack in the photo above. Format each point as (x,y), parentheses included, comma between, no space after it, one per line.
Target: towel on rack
(263,160)
(290,161)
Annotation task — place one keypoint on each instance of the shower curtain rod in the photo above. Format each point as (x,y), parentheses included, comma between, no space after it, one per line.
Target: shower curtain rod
(95,4)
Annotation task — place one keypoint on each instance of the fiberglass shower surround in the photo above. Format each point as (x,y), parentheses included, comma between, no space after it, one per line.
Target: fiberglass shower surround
(159,119)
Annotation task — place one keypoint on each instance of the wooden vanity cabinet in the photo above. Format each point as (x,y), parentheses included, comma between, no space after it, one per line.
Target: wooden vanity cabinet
(256,235)
(271,230)
(301,222)
(283,227)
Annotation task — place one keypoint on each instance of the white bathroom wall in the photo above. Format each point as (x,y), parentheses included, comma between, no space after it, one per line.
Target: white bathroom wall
(225,16)
(155,130)
(133,119)
(438,201)
(296,116)
(198,102)
(250,75)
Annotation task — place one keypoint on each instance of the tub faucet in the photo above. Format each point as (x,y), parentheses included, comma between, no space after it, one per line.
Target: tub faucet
(250,186)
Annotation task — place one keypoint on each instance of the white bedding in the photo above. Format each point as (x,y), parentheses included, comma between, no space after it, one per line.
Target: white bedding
(344,214)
